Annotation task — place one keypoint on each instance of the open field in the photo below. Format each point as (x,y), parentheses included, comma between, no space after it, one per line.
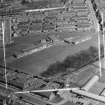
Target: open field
(85,74)
(97,88)
(38,62)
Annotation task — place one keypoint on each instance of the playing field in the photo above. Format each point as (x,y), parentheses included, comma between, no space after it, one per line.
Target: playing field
(38,62)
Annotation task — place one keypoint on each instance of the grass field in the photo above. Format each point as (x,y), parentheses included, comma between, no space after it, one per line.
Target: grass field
(38,62)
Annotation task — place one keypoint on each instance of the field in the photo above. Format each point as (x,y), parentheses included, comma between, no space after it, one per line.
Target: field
(97,88)
(69,103)
(38,62)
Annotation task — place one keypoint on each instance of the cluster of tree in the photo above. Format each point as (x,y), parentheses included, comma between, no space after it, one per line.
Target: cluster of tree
(63,1)
(55,68)
(36,4)
(98,14)
(76,61)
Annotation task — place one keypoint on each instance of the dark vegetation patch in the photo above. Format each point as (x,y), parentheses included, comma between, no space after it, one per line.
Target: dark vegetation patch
(74,62)
(36,4)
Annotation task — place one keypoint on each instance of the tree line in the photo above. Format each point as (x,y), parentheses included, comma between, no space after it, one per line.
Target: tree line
(75,62)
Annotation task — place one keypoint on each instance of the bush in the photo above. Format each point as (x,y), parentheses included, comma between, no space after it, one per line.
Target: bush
(55,68)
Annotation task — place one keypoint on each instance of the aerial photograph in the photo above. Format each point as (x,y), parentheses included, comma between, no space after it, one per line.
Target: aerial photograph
(52,52)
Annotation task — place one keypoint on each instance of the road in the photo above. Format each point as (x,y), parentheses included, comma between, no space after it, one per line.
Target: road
(45,9)
(90,95)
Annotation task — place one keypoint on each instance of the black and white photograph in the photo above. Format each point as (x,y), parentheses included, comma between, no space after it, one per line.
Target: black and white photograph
(52,52)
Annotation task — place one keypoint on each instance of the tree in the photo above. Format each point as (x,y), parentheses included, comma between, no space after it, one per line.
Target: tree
(73,62)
